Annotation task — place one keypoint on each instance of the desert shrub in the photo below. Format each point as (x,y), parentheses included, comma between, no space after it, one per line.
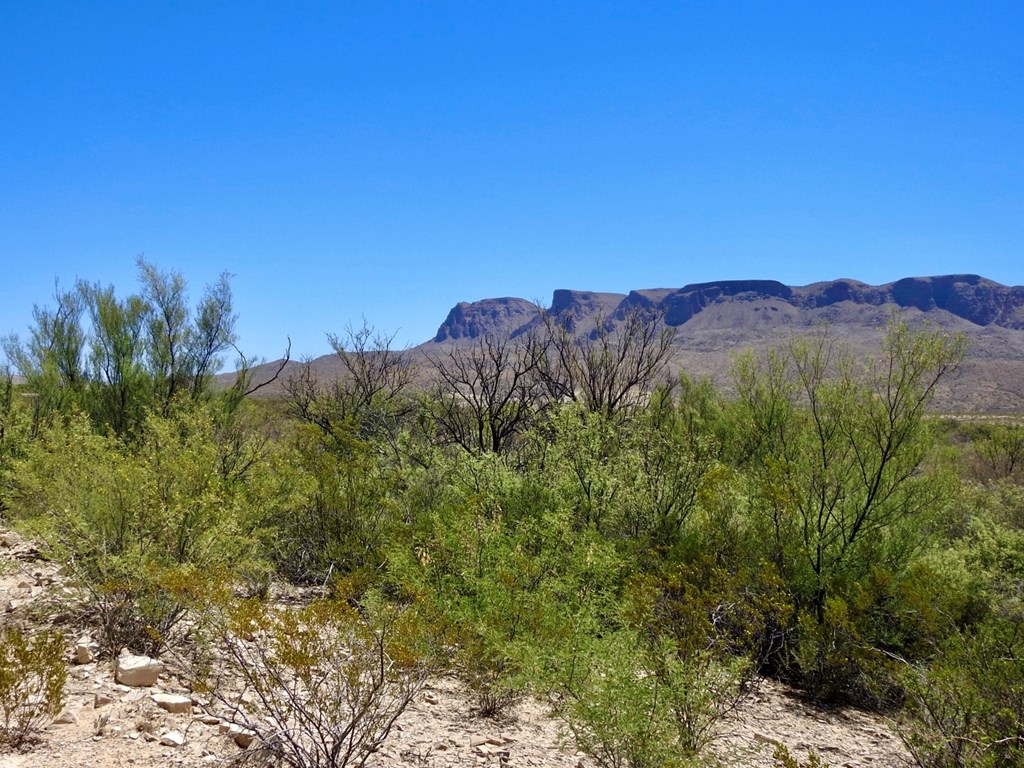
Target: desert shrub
(152,611)
(701,605)
(342,513)
(322,685)
(856,650)
(15,426)
(33,673)
(143,527)
(997,452)
(785,759)
(634,702)
(833,663)
(966,709)
(494,554)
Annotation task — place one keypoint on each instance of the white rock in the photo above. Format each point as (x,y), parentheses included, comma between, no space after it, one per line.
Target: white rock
(173,739)
(85,650)
(138,671)
(172,703)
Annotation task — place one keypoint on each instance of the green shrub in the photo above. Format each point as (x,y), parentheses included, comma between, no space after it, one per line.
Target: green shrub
(784,758)
(323,684)
(33,673)
(633,703)
(342,512)
(966,709)
(144,527)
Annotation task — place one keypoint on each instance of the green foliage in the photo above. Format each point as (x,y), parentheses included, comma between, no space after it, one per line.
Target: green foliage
(999,451)
(632,702)
(837,449)
(323,684)
(113,359)
(495,555)
(15,431)
(705,606)
(856,651)
(342,512)
(784,759)
(33,674)
(130,520)
(966,709)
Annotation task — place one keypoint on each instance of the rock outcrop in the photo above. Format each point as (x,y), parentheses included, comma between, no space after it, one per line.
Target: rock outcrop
(484,318)
(969,297)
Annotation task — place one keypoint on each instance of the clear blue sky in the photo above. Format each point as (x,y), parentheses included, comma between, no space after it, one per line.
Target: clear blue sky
(390,159)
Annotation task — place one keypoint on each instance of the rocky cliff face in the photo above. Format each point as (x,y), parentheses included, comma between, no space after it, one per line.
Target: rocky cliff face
(969,297)
(486,318)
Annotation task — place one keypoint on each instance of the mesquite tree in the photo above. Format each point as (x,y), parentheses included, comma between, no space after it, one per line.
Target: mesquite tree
(837,444)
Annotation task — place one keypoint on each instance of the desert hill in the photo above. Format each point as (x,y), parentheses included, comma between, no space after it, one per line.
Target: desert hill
(715,320)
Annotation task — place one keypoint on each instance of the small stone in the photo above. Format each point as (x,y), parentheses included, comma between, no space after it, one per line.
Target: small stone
(67,717)
(172,703)
(85,650)
(477,741)
(430,698)
(100,700)
(172,739)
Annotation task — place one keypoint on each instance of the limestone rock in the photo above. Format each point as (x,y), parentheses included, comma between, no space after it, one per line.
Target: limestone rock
(85,650)
(172,739)
(172,703)
(138,671)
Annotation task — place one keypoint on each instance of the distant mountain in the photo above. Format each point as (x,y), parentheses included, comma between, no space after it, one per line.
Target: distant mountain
(972,298)
(715,320)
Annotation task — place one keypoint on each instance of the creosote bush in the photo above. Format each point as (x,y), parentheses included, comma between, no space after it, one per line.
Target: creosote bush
(33,674)
(633,702)
(321,685)
(966,709)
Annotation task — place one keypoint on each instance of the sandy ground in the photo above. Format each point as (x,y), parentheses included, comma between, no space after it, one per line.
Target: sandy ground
(439,729)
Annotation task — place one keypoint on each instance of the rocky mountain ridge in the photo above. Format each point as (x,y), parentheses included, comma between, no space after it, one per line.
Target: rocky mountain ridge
(716,320)
(972,298)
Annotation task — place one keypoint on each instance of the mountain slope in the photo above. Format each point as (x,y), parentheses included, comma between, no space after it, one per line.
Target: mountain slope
(714,321)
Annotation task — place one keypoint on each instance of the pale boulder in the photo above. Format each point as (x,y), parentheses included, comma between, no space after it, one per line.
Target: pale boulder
(138,671)
(173,739)
(172,703)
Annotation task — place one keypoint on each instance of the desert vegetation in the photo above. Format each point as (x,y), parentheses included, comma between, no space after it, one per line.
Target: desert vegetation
(549,516)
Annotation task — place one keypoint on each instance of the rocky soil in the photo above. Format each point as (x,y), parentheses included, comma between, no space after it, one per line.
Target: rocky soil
(107,724)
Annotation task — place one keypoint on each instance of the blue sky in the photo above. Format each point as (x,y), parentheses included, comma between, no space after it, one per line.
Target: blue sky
(389,159)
